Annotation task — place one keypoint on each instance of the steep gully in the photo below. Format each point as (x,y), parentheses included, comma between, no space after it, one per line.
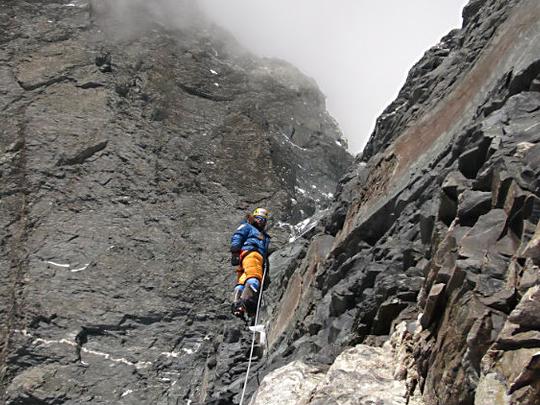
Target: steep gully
(470,219)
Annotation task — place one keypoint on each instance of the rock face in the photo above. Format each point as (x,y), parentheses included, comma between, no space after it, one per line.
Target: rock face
(133,139)
(437,220)
(361,375)
(130,151)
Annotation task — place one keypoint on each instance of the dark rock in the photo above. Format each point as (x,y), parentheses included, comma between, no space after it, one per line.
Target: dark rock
(503,301)
(457,278)
(124,171)
(104,62)
(447,209)
(527,312)
(454,184)
(471,205)
(481,237)
(116,240)
(472,160)
(471,10)
(434,304)
(387,313)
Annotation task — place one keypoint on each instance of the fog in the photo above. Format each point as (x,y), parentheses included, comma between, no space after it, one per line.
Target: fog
(358,51)
(132,17)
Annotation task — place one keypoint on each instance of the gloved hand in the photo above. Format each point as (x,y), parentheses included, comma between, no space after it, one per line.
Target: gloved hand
(235,259)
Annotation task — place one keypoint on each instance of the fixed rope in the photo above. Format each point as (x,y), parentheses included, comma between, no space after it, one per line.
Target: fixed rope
(253,339)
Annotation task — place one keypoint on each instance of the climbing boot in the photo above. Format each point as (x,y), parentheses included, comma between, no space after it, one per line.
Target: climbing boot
(250,295)
(238,309)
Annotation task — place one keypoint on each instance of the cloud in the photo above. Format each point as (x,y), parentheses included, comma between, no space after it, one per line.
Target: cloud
(125,17)
(358,51)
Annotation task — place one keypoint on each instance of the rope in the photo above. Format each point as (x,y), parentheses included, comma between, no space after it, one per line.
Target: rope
(253,339)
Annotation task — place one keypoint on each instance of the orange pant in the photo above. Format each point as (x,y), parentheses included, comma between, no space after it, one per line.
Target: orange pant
(251,266)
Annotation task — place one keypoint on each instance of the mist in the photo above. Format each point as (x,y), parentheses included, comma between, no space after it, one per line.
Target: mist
(125,18)
(359,52)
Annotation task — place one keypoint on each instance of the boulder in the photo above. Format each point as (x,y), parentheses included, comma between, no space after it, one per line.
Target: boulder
(360,375)
(291,384)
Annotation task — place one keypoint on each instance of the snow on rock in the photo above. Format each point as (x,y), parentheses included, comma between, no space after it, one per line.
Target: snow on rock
(127,392)
(80,268)
(295,231)
(288,140)
(300,190)
(65,265)
(302,227)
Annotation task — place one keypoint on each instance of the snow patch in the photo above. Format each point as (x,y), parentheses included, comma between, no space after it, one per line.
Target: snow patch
(291,142)
(213,72)
(58,264)
(23,332)
(170,354)
(287,226)
(300,190)
(392,112)
(80,268)
(186,350)
(126,393)
(216,84)
(301,228)
(531,127)
(107,356)
(79,4)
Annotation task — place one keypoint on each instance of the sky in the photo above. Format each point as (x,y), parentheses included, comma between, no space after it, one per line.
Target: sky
(358,51)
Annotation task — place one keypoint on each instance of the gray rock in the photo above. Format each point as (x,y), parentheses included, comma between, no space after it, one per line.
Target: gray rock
(124,171)
(361,374)
(434,303)
(125,167)
(473,204)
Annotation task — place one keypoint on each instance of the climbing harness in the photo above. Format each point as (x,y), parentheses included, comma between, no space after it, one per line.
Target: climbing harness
(255,329)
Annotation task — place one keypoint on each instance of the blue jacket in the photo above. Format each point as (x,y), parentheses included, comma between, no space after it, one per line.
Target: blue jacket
(248,237)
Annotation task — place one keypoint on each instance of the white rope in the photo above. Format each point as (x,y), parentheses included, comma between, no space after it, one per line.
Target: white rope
(253,339)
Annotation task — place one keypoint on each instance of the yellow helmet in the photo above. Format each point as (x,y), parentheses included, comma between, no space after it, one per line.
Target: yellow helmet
(261,212)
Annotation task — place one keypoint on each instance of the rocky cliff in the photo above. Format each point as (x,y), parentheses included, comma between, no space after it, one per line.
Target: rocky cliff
(134,138)
(434,228)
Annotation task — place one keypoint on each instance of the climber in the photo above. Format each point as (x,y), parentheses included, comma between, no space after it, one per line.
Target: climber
(249,252)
